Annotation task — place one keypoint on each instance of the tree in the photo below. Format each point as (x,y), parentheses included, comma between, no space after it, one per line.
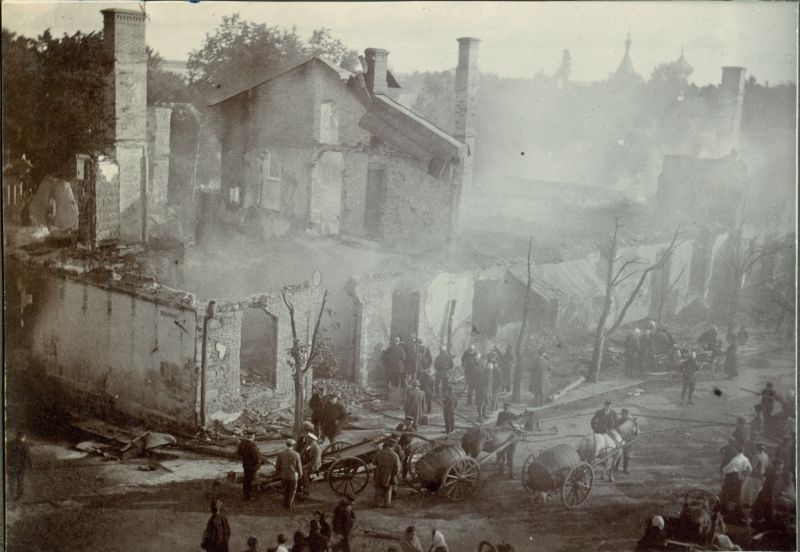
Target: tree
(742,257)
(614,277)
(664,289)
(515,392)
(239,51)
(301,359)
(436,98)
(164,86)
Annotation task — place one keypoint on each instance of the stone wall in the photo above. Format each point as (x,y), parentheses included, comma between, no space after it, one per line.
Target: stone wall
(158,135)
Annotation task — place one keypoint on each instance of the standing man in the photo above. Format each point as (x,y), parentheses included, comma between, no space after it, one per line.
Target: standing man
(605,419)
(632,351)
(289,469)
(732,358)
(251,463)
(624,416)
(343,520)
(470,363)
(648,352)
(541,374)
(387,472)
(317,406)
(18,458)
(442,365)
(410,348)
(413,406)
(405,436)
(394,362)
(218,532)
(334,415)
(756,424)
(506,361)
(767,401)
(424,359)
(734,474)
(688,370)
(506,457)
(709,339)
(450,403)
(483,382)
(427,382)
(311,457)
(740,434)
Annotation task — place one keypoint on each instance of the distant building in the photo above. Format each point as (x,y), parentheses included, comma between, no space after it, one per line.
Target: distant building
(626,75)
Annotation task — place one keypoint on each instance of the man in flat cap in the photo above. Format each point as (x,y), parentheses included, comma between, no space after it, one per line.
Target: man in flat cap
(311,456)
(605,419)
(289,469)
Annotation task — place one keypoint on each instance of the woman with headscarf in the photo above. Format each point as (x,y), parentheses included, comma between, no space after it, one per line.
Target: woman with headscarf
(654,535)
(438,543)
(409,542)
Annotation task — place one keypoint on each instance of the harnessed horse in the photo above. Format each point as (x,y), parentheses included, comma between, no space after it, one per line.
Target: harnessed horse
(489,439)
(608,445)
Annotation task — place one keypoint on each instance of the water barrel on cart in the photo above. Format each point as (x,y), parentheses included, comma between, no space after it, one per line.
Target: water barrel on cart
(543,473)
(431,467)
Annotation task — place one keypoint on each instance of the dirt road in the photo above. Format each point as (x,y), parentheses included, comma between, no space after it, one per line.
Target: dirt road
(76,503)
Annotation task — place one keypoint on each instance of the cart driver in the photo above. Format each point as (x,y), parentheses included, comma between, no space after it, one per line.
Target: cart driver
(604,420)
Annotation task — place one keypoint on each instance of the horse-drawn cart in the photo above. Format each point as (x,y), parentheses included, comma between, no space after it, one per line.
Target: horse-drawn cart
(559,470)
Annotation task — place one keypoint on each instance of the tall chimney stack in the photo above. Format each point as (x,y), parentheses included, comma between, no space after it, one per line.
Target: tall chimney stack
(126,112)
(731,98)
(375,77)
(466,96)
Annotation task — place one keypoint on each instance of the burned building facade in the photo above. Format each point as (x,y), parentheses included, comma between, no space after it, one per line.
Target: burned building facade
(317,148)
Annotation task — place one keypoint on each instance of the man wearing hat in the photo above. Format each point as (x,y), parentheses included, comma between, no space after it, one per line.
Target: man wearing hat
(443,365)
(394,363)
(624,416)
(741,434)
(540,377)
(405,435)
(605,419)
(310,455)
(317,405)
(688,370)
(251,463)
(414,403)
(289,469)
(506,458)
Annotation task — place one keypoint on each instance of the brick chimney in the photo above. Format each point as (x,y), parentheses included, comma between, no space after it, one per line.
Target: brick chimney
(375,77)
(126,111)
(731,98)
(466,97)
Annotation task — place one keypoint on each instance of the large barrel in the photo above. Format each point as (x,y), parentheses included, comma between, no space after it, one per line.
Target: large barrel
(544,472)
(431,467)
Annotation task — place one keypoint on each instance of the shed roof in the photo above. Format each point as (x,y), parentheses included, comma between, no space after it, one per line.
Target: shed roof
(575,279)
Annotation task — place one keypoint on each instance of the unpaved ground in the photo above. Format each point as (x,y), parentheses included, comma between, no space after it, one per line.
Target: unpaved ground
(76,503)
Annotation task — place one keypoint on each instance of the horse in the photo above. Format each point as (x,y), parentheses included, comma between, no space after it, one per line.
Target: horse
(608,445)
(489,439)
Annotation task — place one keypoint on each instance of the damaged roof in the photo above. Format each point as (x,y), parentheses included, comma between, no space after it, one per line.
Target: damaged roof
(576,279)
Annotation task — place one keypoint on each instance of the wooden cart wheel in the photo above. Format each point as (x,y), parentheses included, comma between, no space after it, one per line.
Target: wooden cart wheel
(577,485)
(525,476)
(701,494)
(461,479)
(348,476)
(331,452)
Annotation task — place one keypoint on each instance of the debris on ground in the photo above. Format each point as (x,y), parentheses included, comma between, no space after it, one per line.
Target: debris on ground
(145,442)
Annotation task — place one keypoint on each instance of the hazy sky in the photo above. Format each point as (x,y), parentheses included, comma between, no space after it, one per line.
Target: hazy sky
(518,39)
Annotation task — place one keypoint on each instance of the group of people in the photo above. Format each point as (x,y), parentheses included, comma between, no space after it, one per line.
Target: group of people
(758,487)
(410,542)
(405,361)
(320,537)
(643,346)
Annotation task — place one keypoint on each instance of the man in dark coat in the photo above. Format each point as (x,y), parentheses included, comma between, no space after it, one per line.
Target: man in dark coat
(541,378)
(426,380)
(18,461)
(317,406)
(470,362)
(688,370)
(743,336)
(311,457)
(424,359)
(218,532)
(343,520)
(333,416)
(414,403)
(289,469)
(506,458)
(405,436)
(442,366)
(741,434)
(632,352)
(387,472)
(483,383)
(411,358)
(709,339)
(762,508)
(449,403)
(604,420)
(251,463)
(767,401)
(648,352)
(394,362)
(506,360)
(732,358)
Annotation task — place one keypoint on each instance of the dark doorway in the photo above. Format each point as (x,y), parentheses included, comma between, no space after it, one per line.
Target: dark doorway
(258,358)
(405,314)
(484,308)
(373,206)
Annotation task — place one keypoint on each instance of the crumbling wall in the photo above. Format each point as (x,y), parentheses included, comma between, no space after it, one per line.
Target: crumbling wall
(158,135)
(113,347)
(223,342)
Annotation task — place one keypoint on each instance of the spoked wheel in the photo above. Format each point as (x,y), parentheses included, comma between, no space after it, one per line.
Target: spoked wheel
(461,479)
(333,451)
(348,476)
(577,485)
(525,477)
(697,495)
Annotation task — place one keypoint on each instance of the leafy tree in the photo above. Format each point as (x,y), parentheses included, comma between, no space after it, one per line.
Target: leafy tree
(165,86)
(323,44)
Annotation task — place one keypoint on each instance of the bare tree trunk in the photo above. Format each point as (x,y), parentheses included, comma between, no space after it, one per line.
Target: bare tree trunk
(599,334)
(515,392)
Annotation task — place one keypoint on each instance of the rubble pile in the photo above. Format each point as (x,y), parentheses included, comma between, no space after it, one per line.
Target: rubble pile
(348,392)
